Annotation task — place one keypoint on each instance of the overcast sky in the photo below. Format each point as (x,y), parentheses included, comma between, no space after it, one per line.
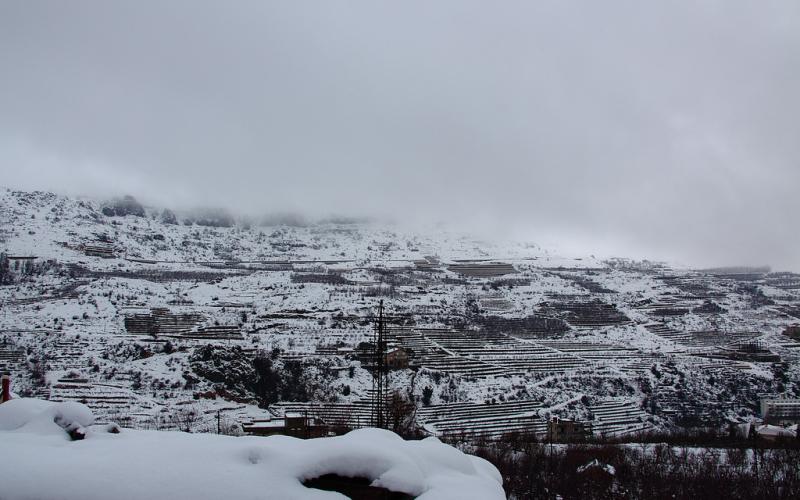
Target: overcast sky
(668,130)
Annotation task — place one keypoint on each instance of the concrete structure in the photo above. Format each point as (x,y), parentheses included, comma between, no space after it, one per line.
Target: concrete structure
(751,351)
(792,331)
(775,433)
(560,430)
(100,249)
(16,262)
(780,410)
(297,425)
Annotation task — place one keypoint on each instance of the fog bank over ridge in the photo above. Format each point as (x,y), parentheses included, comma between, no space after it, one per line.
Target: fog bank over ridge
(661,131)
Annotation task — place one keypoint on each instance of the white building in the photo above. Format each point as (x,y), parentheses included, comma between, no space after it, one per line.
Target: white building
(780,410)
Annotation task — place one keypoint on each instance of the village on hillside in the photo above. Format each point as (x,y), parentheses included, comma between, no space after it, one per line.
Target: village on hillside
(210,323)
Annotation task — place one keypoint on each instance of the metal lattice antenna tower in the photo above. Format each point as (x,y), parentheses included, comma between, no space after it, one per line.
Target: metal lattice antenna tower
(378,417)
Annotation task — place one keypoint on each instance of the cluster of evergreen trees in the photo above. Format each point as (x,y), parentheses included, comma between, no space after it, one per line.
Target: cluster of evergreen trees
(262,378)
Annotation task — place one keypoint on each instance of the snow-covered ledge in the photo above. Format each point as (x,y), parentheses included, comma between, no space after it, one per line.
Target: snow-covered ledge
(40,460)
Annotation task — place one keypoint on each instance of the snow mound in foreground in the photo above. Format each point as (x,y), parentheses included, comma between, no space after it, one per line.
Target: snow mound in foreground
(39,462)
(47,417)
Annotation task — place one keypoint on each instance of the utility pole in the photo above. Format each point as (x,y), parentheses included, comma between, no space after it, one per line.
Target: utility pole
(379,374)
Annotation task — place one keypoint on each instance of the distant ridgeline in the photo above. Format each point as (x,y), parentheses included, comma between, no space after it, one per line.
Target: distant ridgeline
(128,205)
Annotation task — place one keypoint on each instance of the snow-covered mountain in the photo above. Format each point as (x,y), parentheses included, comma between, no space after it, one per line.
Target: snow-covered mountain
(165,320)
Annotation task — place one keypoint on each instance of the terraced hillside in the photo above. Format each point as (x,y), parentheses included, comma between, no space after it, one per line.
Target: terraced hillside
(186,323)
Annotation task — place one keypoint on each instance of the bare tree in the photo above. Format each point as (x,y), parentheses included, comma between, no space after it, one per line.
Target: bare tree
(185,418)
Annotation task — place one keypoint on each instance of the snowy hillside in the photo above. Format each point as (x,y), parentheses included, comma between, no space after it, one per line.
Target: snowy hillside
(203,322)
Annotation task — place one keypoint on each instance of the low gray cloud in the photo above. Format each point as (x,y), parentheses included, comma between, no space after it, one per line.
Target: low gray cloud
(660,129)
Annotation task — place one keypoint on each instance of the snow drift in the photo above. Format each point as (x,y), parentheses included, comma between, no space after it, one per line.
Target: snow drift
(36,415)
(40,461)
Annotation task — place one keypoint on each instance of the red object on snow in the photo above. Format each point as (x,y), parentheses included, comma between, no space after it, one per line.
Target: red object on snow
(6,389)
